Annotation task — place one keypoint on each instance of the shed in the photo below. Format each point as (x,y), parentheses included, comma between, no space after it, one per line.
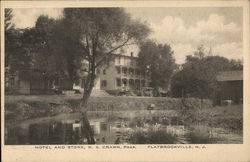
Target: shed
(230,86)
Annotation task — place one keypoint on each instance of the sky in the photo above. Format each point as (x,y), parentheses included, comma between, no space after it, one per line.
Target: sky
(219,29)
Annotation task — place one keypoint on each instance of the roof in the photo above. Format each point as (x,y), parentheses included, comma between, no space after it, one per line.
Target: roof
(122,55)
(229,76)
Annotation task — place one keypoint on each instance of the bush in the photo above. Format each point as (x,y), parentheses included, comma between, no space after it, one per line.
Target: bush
(200,135)
(153,137)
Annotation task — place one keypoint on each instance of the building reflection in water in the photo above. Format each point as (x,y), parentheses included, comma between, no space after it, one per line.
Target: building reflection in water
(69,131)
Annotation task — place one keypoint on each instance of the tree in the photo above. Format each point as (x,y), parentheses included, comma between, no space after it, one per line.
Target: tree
(18,50)
(200,53)
(198,76)
(101,32)
(68,51)
(9,34)
(55,52)
(19,46)
(157,61)
(7,19)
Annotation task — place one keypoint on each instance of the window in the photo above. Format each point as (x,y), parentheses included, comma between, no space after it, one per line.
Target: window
(57,82)
(124,61)
(132,62)
(124,70)
(118,82)
(137,72)
(131,71)
(128,63)
(104,71)
(124,82)
(143,83)
(118,60)
(137,84)
(103,126)
(118,69)
(131,83)
(103,83)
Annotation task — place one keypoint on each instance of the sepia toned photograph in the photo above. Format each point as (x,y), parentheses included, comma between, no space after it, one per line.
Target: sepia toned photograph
(123,75)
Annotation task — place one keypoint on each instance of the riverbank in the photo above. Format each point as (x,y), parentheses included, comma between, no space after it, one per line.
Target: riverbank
(33,106)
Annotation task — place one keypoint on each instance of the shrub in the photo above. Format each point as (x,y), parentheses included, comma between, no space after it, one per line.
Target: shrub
(153,137)
(200,135)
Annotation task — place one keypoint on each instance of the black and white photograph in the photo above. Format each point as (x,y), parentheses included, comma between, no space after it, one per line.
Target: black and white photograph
(123,75)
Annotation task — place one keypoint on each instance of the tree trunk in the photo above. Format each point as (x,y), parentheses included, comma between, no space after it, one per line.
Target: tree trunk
(87,130)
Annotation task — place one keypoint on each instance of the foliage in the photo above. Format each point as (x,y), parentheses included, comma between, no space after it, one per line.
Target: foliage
(58,50)
(227,117)
(157,61)
(200,53)
(101,32)
(25,48)
(73,46)
(198,76)
(18,51)
(9,35)
(153,137)
(200,135)
(7,19)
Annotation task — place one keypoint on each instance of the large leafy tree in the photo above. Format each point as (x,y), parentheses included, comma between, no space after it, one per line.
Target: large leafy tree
(157,61)
(100,31)
(32,49)
(43,42)
(198,76)
(10,35)
(52,50)
(18,49)
(68,51)
(21,46)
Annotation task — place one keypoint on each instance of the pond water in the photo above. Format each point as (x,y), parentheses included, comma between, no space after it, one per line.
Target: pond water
(107,130)
(151,128)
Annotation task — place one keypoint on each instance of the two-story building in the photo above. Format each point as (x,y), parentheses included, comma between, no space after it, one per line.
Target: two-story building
(118,73)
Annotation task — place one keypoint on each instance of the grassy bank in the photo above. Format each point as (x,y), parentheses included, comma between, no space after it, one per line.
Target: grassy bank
(110,103)
(31,106)
(228,117)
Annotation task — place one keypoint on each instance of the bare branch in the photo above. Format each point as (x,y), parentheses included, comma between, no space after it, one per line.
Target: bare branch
(114,49)
(106,40)
(88,53)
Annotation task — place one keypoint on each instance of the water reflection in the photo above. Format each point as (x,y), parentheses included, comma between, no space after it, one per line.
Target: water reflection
(106,130)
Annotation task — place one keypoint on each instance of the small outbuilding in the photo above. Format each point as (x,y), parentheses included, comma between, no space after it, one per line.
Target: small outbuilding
(230,87)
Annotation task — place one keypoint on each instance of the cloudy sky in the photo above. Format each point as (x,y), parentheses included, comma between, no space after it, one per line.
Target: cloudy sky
(218,29)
